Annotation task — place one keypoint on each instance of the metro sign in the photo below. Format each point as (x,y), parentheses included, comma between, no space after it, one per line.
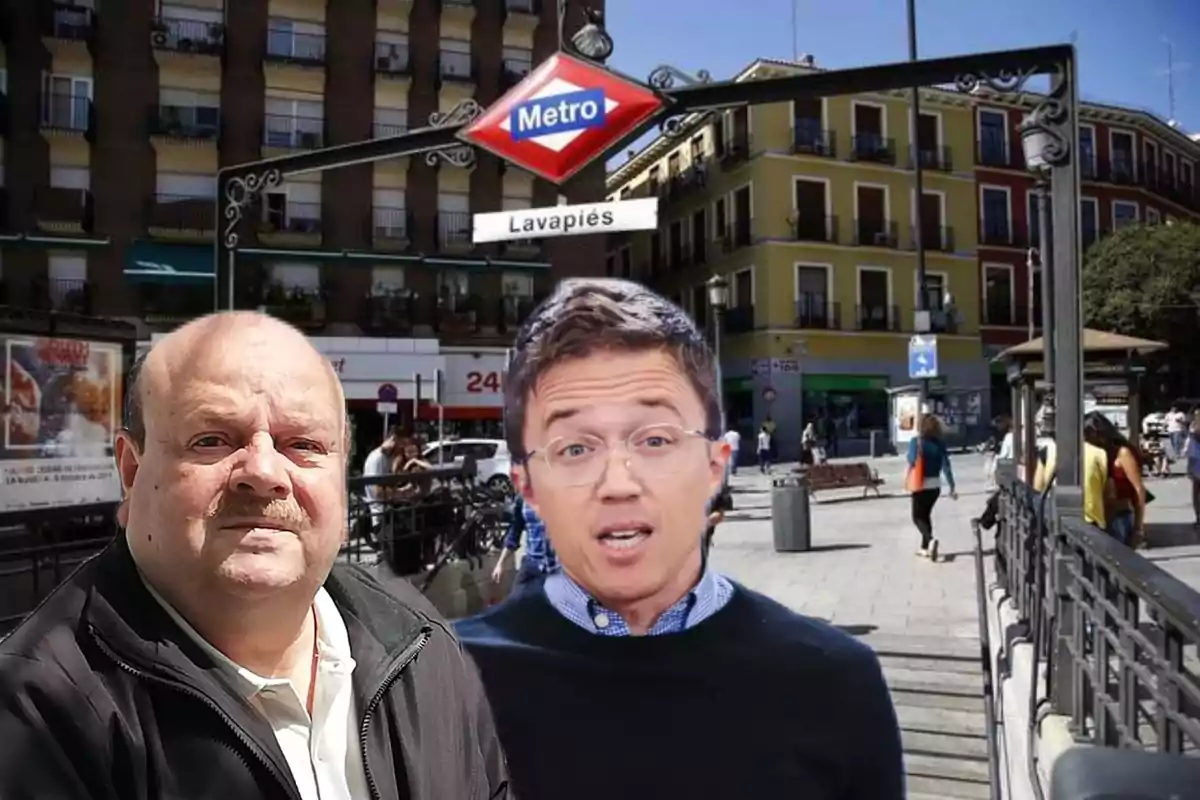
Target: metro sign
(563,116)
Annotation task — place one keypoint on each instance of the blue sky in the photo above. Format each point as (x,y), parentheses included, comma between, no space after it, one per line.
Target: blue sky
(1122,52)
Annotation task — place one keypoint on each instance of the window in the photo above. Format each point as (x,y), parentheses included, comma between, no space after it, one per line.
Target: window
(518,61)
(390,122)
(388,208)
(454,287)
(1185,175)
(1089,220)
(300,40)
(391,51)
(455,58)
(294,207)
(1034,220)
(297,276)
(294,123)
(517,284)
(179,186)
(743,289)
(993,137)
(1152,216)
(454,218)
(720,219)
(997,222)
(1170,169)
(699,236)
(1124,214)
(675,244)
(874,299)
(387,281)
(67,102)
(655,252)
(193,112)
(1124,166)
(998,294)
(813,308)
(68,275)
(935,291)
(1087,151)
(71,178)
(699,301)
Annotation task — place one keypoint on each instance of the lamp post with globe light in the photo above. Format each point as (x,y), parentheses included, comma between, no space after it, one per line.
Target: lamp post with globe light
(718,301)
(1034,141)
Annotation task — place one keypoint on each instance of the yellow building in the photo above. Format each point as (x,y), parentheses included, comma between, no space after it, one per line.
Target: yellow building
(807,209)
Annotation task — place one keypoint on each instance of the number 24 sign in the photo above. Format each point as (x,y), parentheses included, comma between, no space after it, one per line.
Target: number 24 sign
(483,382)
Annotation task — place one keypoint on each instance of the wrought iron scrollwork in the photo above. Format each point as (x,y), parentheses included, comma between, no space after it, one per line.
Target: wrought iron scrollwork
(240,193)
(665,77)
(1004,80)
(1052,117)
(592,41)
(464,112)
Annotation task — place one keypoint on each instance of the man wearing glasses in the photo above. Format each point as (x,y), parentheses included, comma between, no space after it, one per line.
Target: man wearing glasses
(636,659)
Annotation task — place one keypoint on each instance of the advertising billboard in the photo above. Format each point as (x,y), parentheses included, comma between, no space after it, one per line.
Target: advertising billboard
(62,407)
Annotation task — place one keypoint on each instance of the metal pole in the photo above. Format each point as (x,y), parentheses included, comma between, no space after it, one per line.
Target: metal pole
(1046,256)
(914,127)
(231,255)
(1029,267)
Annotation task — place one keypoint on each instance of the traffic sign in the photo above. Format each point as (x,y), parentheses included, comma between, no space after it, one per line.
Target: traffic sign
(561,117)
(547,221)
(922,357)
(388,393)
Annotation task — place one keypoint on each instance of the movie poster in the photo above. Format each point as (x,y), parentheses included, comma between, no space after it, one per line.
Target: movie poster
(62,408)
(906,408)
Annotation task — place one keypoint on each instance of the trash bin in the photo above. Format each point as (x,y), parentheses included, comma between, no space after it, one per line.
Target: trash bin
(790,517)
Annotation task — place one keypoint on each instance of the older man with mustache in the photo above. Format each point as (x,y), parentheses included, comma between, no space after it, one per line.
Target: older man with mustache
(214,650)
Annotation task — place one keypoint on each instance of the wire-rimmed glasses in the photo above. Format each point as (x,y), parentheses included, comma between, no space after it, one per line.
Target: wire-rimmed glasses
(652,451)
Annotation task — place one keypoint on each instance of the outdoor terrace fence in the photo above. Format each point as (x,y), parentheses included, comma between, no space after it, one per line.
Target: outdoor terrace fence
(1117,635)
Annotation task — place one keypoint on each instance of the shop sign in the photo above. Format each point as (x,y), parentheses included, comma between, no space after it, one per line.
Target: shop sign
(474,380)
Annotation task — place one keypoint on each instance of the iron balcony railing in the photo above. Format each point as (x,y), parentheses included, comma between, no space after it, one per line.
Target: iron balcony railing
(71,295)
(188,36)
(389,222)
(873,147)
(877,317)
(389,312)
(173,212)
(739,319)
(454,228)
(67,111)
(808,138)
(293,217)
(186,122)
(1114,636)
(293,132)
(456,66)
(998,152)
(815,228)
(457,313)
(300,48)
(815,312)
(935,158)
(933,237)
(68,21)
(995,313)
(997,233)
(56,204)
(514,310)
(870,232)
(391,58)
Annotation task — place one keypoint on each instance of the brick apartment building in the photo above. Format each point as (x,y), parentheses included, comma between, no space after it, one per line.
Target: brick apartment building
(116,117)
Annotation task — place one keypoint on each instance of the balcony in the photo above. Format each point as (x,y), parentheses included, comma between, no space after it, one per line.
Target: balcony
(287,132)
(939,238)
(1122,170)
(456,67)
(196,124)
(391,59)
(457,314)
(62,210)
(180,216)
(736,150)
(812,140)
(290,222)
(389,313)
(67,114)
(285,47)
(814,312)
(679,256)
(873,148)
(389,228)
(173,303)
(739,319)
(188,36)
(877,317)
(999,154)
(69,295)
(943,320)
(304,308)
(383,130)
(514,310)
(935,158)
(454,230)
(815,228)
(876,233)
(684,182)
(68,22)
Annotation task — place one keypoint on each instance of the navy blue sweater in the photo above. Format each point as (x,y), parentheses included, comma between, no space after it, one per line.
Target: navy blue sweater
(755,702)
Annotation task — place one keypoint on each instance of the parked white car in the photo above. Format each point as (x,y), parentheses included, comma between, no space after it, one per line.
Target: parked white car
(492,460)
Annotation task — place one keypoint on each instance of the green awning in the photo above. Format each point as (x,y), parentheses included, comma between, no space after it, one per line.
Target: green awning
(844,383)
(156,262)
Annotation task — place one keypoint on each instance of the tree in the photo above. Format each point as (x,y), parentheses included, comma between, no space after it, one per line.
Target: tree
(1144,281)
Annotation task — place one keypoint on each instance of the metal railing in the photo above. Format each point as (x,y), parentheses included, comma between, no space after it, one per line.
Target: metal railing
(185,122)
(870,232)
(873,147)
(183,213)
(293,132)
(1117,635)
(809,138)
(389,222)
(814,227)
(188,36)
(815,312)
(288,46)
(67,111)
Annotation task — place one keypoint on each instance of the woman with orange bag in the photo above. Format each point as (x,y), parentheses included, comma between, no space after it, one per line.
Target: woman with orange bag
(928,461)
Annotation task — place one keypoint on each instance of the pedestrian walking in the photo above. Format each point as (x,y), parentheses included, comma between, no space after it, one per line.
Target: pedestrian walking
(215,649)
(1126,498)
(764,450)
(734,440)
(1192,452)
(637,655)
(1177,431)
(928,464)
(539,559)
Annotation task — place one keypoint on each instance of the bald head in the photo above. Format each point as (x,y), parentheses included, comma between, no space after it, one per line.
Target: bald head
(207,341)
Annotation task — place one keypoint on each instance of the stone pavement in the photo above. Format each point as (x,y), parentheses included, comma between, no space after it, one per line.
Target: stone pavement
(921,618)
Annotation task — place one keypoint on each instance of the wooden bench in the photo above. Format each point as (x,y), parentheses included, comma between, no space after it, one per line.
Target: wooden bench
(823,477)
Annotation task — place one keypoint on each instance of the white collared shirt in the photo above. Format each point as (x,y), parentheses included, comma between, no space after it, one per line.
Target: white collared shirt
(324,753)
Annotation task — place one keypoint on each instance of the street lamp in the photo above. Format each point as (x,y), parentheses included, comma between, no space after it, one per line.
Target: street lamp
(718,301)
(1037,141)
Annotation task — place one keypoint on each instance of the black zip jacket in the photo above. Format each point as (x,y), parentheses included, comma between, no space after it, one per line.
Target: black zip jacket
(103,697)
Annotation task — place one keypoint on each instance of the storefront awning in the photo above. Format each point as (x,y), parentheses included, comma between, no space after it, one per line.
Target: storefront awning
(154,262)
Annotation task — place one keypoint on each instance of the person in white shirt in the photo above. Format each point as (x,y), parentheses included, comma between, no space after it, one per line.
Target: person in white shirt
(1177,430)
(734,440)
(764,450)
(377,464)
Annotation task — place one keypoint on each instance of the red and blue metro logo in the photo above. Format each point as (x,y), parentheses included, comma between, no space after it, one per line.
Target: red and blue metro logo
(565,114)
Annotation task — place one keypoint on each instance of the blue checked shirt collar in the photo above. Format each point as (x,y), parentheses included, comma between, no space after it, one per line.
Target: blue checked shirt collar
(706,598)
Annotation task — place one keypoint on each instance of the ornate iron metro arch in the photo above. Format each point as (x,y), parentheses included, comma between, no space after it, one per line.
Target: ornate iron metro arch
(1056,117)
